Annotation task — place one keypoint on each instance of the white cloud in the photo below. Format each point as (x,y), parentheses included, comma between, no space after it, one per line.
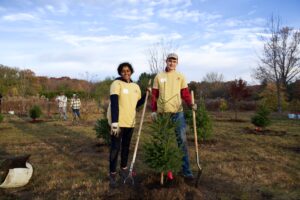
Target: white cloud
(244,23)
(185,15)
(144,26)
(134,14)
(50,8)
(2,9)
(183,3)
(20,17)
(60,8)
(150,38)
(251,12)
(81,40)
(97,29)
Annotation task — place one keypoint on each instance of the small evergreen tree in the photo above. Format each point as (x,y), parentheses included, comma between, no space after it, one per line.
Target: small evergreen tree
(103,130)
(261,117)
(162,153)
(35,112)
(203,121)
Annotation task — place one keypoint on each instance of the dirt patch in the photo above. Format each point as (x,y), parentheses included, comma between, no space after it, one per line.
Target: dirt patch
(92,148)
(148,187)
(295,149)
(5,128)
(209,142)
(266,132)
(36,121)
(231,120)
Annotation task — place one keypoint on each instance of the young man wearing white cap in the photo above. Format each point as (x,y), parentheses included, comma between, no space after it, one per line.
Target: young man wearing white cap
(62,105)
(169,87)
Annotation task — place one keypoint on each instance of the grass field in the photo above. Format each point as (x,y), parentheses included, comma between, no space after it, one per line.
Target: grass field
(70,163)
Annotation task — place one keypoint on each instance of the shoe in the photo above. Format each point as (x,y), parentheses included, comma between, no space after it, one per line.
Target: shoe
(123,173)
(170,175)
(113,180)
(189,177)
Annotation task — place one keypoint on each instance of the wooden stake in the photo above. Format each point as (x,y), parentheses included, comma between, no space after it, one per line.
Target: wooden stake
(162,178)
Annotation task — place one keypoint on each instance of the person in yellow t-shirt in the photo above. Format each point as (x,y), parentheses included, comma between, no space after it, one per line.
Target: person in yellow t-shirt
(169,87)
(125,97)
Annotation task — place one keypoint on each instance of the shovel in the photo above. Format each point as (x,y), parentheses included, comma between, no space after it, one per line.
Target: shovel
(130,174)
(196,143)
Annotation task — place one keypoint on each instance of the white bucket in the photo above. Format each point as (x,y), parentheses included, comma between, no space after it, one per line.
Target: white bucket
(17,177)
(291,116)
(11,112)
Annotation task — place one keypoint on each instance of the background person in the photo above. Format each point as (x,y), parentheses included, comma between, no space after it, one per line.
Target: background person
(75,106)
(62,105)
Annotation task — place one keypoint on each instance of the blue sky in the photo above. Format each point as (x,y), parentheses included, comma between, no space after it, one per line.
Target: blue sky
(75,38)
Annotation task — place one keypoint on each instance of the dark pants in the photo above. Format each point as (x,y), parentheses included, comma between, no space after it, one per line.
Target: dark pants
(76,112)
(123,142)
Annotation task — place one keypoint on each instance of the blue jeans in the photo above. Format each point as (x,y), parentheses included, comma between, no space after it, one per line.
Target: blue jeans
(182,142)
(76,112)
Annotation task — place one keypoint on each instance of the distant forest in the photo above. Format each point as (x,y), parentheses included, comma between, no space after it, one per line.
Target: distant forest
(24,83)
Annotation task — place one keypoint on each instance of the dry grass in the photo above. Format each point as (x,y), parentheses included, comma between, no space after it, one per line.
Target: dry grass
(69,163)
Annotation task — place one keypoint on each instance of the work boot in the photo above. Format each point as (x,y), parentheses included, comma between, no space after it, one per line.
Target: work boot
(170,175)
(123,173)
(113,180)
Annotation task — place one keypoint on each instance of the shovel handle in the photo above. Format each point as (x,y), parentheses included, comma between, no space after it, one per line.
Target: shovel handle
(139,131)
(196,140)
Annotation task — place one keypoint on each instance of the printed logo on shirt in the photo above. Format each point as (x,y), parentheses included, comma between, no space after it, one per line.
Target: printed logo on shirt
(178,78)
(163,80)
(125,91)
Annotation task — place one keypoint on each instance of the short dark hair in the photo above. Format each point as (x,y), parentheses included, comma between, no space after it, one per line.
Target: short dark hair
(125,64)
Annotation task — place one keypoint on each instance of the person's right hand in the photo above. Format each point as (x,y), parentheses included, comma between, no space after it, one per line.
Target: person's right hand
(115,129)
(154,116)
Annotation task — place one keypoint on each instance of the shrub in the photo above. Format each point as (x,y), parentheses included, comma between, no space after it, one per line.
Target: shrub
(103,130)
(162,153)
(261,117)
(294,105)
(223,105)
(1,118)
(203,121)
(35,112)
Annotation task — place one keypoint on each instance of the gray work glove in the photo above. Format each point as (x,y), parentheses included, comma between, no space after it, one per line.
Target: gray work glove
(194,107)
(115,129)
(154,116)
(149,89)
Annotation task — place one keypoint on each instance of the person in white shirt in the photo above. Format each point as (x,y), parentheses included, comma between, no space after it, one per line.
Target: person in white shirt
(62,105)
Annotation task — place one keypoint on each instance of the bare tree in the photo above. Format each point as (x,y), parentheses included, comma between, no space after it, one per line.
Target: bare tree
(90,78)
(280,61)
(238,91)
(213,77)
(157,55)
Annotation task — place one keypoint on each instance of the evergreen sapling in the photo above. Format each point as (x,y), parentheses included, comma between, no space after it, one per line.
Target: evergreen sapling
(102,129)
(162,153)
(261,117)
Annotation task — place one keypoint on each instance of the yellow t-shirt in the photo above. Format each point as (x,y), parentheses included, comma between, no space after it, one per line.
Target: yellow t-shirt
(169,85)
(129,94)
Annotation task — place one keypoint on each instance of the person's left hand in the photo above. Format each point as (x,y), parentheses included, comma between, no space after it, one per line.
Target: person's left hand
(149,89)
(115,129)
(194,107)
